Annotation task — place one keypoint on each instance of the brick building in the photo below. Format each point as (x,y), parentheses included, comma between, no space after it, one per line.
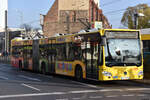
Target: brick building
(71,16)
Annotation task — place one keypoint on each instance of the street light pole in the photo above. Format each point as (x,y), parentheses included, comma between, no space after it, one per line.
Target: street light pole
(6,34)
(21,20)
(136,15)
(21,16)
(136,20)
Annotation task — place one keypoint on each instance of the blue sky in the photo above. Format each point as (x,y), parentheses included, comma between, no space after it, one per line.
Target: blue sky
(31,10)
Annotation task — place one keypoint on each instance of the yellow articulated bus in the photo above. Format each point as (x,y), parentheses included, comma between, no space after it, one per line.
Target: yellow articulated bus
(104,55)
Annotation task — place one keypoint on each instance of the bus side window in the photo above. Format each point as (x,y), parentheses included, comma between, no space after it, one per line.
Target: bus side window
(70,52)
(77,52)
(61,52)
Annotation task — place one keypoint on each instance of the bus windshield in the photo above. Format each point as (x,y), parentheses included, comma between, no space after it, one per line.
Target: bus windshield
(123,52)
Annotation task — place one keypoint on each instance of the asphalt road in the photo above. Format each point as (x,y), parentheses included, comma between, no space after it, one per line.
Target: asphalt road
(25,85)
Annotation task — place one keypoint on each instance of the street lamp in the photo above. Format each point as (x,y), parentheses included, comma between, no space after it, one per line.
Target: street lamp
(136,18)
(141,15)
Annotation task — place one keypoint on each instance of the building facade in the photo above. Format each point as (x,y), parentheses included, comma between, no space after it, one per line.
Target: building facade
(71,16)
(3,8)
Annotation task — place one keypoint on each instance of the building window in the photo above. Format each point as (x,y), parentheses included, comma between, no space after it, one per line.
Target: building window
(92,11)
(74,16)
(96,14)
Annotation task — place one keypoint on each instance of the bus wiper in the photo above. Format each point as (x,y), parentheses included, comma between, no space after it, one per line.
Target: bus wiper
(117,64)
(132,64)
(111,64)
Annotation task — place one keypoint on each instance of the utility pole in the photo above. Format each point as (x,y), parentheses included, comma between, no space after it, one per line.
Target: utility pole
(136,20)
(136,16)
(6,34)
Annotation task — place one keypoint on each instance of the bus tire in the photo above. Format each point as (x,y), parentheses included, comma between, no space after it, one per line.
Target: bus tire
(20,65)
(43,68)
(79,73)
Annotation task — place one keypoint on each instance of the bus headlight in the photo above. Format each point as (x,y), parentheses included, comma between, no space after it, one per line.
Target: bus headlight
(106,73)
(140,73)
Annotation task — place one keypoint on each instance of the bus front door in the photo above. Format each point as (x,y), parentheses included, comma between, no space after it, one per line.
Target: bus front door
(92,60)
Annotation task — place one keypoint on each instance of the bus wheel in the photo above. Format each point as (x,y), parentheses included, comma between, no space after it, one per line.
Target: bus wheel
(78,74)
(20,65)
(43,69)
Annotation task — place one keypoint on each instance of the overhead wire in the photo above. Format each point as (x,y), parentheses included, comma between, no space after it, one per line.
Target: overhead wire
(117,11)
(31,22)
(111,2)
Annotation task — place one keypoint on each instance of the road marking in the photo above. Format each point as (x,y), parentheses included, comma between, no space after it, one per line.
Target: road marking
(76,98)
(95,97)
(112,96)
(31,95)
(89,85)
(141,95)
(2,77)
(106,90)
(31,87)
(84,91)
(128,95)
(29,78)
(109,90)
(69,92)
(138,89)
(120,90)
(63,99)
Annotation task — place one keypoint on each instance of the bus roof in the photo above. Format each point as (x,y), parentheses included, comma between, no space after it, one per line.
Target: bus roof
(63,38)
(121,30)
(145,31)
(145,34)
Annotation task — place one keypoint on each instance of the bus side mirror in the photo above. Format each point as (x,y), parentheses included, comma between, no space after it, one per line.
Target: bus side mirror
(103,41)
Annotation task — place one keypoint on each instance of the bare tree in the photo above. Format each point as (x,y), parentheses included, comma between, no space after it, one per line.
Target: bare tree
(27,27)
